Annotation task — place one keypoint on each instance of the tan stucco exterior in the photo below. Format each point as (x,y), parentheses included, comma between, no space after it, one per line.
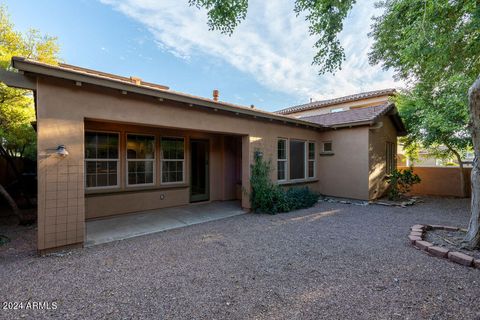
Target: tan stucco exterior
(65,111)
(69,104)
(344,173)
(377,139)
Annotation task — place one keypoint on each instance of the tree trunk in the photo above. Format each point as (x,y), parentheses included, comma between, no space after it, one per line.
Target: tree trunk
(472,238)
(10,201)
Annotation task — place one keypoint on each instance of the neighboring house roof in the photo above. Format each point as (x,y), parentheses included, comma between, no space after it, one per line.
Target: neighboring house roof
(136,85)
(331,102)
(361,116)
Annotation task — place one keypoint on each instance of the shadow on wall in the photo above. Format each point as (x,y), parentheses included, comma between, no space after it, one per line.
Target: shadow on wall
(376,178)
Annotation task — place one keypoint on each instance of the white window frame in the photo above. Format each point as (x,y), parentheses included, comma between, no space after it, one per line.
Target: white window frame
(101,159)
(305,169)
(162,160)
(154,160)
(314,160)
(285,161)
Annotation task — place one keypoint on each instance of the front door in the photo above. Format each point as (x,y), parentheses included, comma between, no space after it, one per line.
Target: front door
(199,186)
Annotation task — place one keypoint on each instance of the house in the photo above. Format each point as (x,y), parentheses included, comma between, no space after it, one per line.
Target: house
(360,147)
(429,159)
(110,145)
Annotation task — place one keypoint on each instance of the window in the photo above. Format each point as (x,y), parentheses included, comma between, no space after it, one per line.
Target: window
(140,159)
(327,147)
(336,110)
(281,159)
(101,159)
(173,154)
(311,159)
(297,159)
(390,157)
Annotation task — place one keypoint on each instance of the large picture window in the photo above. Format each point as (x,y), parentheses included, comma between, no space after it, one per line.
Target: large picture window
(101,159)
(311,159)
(281,159)
(140,159)
(173,160)
(297,159)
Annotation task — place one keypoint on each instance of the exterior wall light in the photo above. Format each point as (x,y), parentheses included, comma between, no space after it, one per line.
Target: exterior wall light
(61,151)
(258,154)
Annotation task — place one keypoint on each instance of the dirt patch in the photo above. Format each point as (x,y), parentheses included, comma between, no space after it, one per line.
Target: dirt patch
(21,241)
(452,240)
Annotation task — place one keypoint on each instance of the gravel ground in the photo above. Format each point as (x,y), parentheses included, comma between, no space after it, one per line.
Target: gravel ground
(334,261)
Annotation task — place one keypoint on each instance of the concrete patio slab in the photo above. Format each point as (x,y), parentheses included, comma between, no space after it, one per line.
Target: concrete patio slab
(151,221)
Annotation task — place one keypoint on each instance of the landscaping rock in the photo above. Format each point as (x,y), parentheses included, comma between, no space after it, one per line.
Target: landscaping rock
(423,245)
(418,226)
(416,234)
(476,263)
(438,251)
(413,239)
(460,258)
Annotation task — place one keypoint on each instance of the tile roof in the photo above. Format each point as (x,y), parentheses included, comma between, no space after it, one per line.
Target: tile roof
(76,73)
(353,116)
(330,102)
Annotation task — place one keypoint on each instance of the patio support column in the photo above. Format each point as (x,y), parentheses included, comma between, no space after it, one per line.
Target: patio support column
(246,162)
(61,195)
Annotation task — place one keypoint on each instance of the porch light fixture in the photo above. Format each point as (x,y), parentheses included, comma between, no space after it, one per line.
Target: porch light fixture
(61,151)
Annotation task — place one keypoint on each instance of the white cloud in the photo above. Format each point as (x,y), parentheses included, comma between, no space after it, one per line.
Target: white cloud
(272,45)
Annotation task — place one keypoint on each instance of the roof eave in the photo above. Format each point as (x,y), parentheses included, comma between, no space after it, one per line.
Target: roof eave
(52,71)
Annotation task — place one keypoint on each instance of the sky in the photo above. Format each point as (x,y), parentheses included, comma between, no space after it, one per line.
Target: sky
(266,62)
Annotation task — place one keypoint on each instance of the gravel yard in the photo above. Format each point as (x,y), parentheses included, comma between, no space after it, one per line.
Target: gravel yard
(334,261)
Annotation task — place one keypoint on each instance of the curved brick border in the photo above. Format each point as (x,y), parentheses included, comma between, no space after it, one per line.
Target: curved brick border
(417,236)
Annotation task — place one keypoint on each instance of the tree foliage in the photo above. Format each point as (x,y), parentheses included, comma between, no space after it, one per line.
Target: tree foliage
(17,136)
(437,119)
(325,18)
(271,198)
(428,41)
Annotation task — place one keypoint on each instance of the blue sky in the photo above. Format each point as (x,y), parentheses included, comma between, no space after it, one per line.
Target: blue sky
(267,61)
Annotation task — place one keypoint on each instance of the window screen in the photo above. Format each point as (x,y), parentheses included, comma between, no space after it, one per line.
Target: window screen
(297,159)
(173,154)
(140,159)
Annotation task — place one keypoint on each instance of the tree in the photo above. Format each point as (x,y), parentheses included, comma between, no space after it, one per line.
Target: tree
(426,42)
(17,137)
(324,16)
(437,120)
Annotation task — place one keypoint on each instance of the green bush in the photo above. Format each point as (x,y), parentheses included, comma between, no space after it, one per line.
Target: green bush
(401,182)
(267,197)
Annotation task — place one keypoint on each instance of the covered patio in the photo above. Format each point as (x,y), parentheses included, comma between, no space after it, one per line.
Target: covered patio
(146,222)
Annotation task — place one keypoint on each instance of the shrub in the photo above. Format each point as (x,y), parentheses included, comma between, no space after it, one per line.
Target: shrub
(267,197)
(401,182)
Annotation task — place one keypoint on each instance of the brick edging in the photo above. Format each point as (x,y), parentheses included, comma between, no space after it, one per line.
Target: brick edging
(417,236)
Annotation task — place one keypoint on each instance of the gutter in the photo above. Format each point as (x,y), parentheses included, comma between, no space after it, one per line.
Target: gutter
(57,72)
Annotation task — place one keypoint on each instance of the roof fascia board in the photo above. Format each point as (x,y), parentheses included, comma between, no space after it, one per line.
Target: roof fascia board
(17,80)
(352,124)
(115,84)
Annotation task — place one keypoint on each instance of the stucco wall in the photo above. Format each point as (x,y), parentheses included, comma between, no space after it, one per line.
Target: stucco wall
(440,181)
(62,110)
(224,157)
(345,173)
(377,158)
